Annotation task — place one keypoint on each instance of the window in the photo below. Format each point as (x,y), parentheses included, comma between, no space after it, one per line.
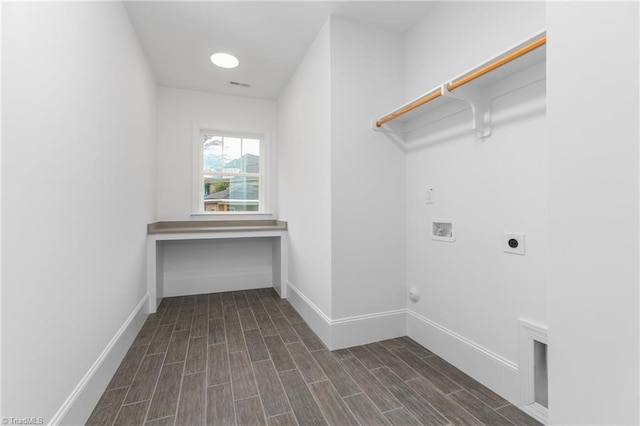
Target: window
(231,173)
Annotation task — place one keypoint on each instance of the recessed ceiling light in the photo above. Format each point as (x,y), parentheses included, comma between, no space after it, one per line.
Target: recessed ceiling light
(224,60)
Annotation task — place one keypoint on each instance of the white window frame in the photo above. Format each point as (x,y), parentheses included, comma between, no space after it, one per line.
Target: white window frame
(264,201)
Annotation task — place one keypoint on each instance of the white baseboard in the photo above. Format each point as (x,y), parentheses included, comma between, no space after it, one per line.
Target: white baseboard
(185,286)
(346,332)
(492,370)
(78,406)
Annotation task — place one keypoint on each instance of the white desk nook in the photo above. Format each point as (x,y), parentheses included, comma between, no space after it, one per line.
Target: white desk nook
(159,232)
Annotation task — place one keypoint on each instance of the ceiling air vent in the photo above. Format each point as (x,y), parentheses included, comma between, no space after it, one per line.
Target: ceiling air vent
(237,83)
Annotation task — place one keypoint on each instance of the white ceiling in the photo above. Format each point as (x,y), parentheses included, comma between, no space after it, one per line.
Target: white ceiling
(269,38)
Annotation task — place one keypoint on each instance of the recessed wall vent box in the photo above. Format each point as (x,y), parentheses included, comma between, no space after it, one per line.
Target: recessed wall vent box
(443,230)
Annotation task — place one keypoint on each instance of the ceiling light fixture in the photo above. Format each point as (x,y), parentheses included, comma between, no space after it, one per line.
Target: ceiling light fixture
(224,60)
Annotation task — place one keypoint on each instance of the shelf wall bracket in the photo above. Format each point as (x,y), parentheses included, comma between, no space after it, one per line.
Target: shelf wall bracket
(480,106)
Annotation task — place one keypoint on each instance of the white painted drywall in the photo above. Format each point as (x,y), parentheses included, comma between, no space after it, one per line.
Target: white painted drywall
(182,111)
(78,175)
(593,119)
(367,172)
(470,287)
(304,172)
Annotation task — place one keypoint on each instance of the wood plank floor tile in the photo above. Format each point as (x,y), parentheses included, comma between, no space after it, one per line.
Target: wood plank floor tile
(517,416)
(343,383)
(445,405)
(403,417)
(220,408)
(364,411)
(247,319)
(274,400)
(230,314)
(177,350)
(146,333)
(414,347)
(166,421)
(286,419)
(366,357)
(285,330)
(409,398)
(216,331)
(478,390)
(479,409)
(107,408)
(235,338)
(308,367)
(390,344)
(161,340)
(196,355)
(308,337)
(399,367)
(378,394)
(215,309)
(435,376)
(255,304)
(185,317)
(279,353)
(215,298)
(242,378)
(227,298)
(132,414)
(218,365)
(200,326)
(341,354)
(241,299)
(165,397)
(171,316)
(331,405)
(191,410)
(304,406)
(272,308)
(127,370)
(202,305)
(265,324)
(289,311)
(256,346)
(250,412)
(145,380)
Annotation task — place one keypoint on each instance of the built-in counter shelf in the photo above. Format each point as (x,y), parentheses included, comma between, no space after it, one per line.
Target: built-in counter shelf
(160,232)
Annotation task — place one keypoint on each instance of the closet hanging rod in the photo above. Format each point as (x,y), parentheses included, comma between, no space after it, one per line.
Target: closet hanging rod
(464,80)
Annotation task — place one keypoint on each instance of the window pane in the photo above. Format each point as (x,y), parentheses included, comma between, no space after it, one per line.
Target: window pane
(251,155)
(212,153)
(231,193)
(232,155)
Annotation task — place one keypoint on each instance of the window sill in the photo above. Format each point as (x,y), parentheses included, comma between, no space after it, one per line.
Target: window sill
(232,216)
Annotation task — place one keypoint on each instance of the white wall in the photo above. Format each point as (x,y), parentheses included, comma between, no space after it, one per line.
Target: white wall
(472,294)
(78,188)
(182,111)
(304,172)
(367,172)
(593,119)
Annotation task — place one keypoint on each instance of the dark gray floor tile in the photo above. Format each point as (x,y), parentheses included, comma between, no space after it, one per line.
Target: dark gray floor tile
(171,316)
(336,374)
(218,365)
(331,405)
(177,350)
(364,411)
(215,297)
(435,376)
(479,410)
(308,337)
(366,357)
(341,354)
(242,379)
(517,416)
(166,421)
(390,343)
(192,400)
(285,330)
(220,409)
(216,331)
(399,367)
(274,400)
(255,304)
(127,370)
(256,346)
(279,353)
(250,412)
(202,305)
(235,338)
(478,390)
(146,333)
(196,355)
(230,314)
(272,308)
(160,341)
(241,299)
(165,397)
(414,347)
(200,326)
(132,414)
(215,309)
(289,311)
(378,394)
(145,380)
(403,417)
(286,419)
(304,406)
(247,320)
(307,365)
(107,408)
(265,324)
(185,317)
(227,298)
(445,405)
(409,398)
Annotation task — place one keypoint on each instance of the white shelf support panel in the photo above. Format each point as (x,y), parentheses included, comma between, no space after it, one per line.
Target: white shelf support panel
(476,97)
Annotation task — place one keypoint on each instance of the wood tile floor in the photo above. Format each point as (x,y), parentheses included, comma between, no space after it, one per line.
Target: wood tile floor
(248,358)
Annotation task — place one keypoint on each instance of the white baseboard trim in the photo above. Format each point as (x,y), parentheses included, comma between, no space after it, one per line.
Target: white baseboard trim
(351,331)
(78,406)
(188,285)
(492,370)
